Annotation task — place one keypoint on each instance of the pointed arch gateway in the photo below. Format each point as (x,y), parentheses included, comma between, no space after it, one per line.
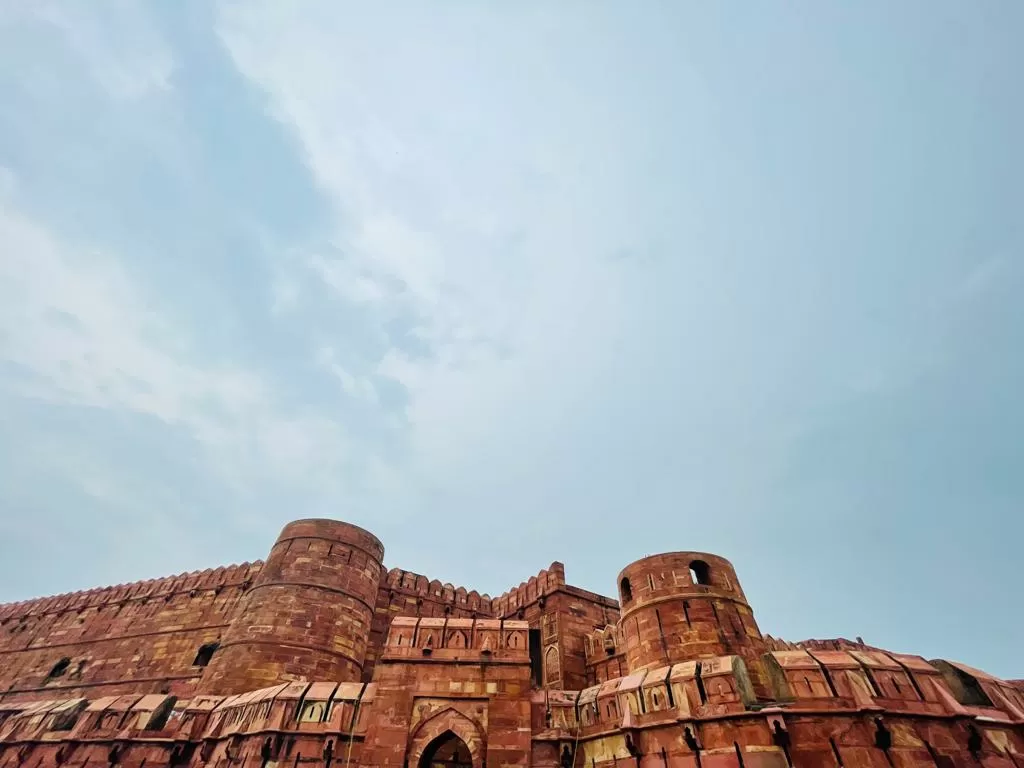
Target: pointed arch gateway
(448,739)
(446,751)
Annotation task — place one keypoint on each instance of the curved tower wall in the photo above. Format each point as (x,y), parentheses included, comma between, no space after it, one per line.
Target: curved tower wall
(308,614)
(685,606)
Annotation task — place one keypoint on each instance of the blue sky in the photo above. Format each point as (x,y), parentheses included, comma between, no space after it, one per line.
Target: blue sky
(510,283)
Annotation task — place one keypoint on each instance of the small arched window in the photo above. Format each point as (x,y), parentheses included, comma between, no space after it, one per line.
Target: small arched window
(700,572)
(60,667)
(205,654)
(626,591)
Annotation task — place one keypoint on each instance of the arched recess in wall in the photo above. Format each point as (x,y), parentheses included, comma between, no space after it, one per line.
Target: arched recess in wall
(59,668)
(625,591)
(457,639)
(447,750)
(205,654)
(700,572)
(552,666)
(428,734)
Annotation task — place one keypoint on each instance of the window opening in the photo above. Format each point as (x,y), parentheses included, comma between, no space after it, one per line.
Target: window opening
(626,591)
(700,572)
(536,658)
(205,654)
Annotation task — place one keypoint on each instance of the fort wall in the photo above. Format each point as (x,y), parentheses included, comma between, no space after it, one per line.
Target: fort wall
(203,631)
(473,682)
(99,642)
(404,593)
(320,656)
(309,612)
(681,606)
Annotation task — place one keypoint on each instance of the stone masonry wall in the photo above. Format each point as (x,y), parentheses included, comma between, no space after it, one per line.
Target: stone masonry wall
(308,614)
(470,678)
(100,642)
(322,658)
(177,635)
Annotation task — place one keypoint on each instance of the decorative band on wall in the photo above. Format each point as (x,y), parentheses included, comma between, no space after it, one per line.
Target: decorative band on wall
(325,588)
(281,644)
(373,557)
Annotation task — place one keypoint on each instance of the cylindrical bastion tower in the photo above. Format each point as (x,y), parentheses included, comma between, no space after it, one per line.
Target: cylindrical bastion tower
(308,614)
(685,606)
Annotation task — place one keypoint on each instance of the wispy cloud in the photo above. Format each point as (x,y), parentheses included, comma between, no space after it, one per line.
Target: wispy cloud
(122,50)
(511,284)
(485,277)
(79,331)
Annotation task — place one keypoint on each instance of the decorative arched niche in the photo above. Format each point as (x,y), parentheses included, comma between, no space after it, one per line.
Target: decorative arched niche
(435,735)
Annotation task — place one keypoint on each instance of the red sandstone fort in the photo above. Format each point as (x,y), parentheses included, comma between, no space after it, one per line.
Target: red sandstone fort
(320,656)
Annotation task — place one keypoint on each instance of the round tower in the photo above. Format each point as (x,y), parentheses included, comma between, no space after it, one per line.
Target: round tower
(685,606)
(307,616)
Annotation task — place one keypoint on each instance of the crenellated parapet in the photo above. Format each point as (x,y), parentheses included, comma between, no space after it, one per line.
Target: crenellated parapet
(321,656)
(399,581)
(830,644)
(547,581)
(149,634)
(192,583)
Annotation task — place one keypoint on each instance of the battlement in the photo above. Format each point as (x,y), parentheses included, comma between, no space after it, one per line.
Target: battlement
(319,655)
(194,581)
(151,634)
(829,644)
(244,574)
(545,582)
(398,580)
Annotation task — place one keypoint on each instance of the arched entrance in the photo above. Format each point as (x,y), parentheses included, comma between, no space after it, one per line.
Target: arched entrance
(446,751)
(447,738)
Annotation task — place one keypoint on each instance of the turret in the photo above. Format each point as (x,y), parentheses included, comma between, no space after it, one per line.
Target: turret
(686,606)
(308,614)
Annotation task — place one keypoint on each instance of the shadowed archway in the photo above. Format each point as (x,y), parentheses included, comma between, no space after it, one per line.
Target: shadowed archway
(446,751)
(431,733)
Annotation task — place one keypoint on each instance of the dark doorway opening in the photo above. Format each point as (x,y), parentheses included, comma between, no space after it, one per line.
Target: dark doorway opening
(446,751)
(536,659)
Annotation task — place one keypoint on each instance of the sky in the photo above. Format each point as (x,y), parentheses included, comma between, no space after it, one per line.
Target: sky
(509,283)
